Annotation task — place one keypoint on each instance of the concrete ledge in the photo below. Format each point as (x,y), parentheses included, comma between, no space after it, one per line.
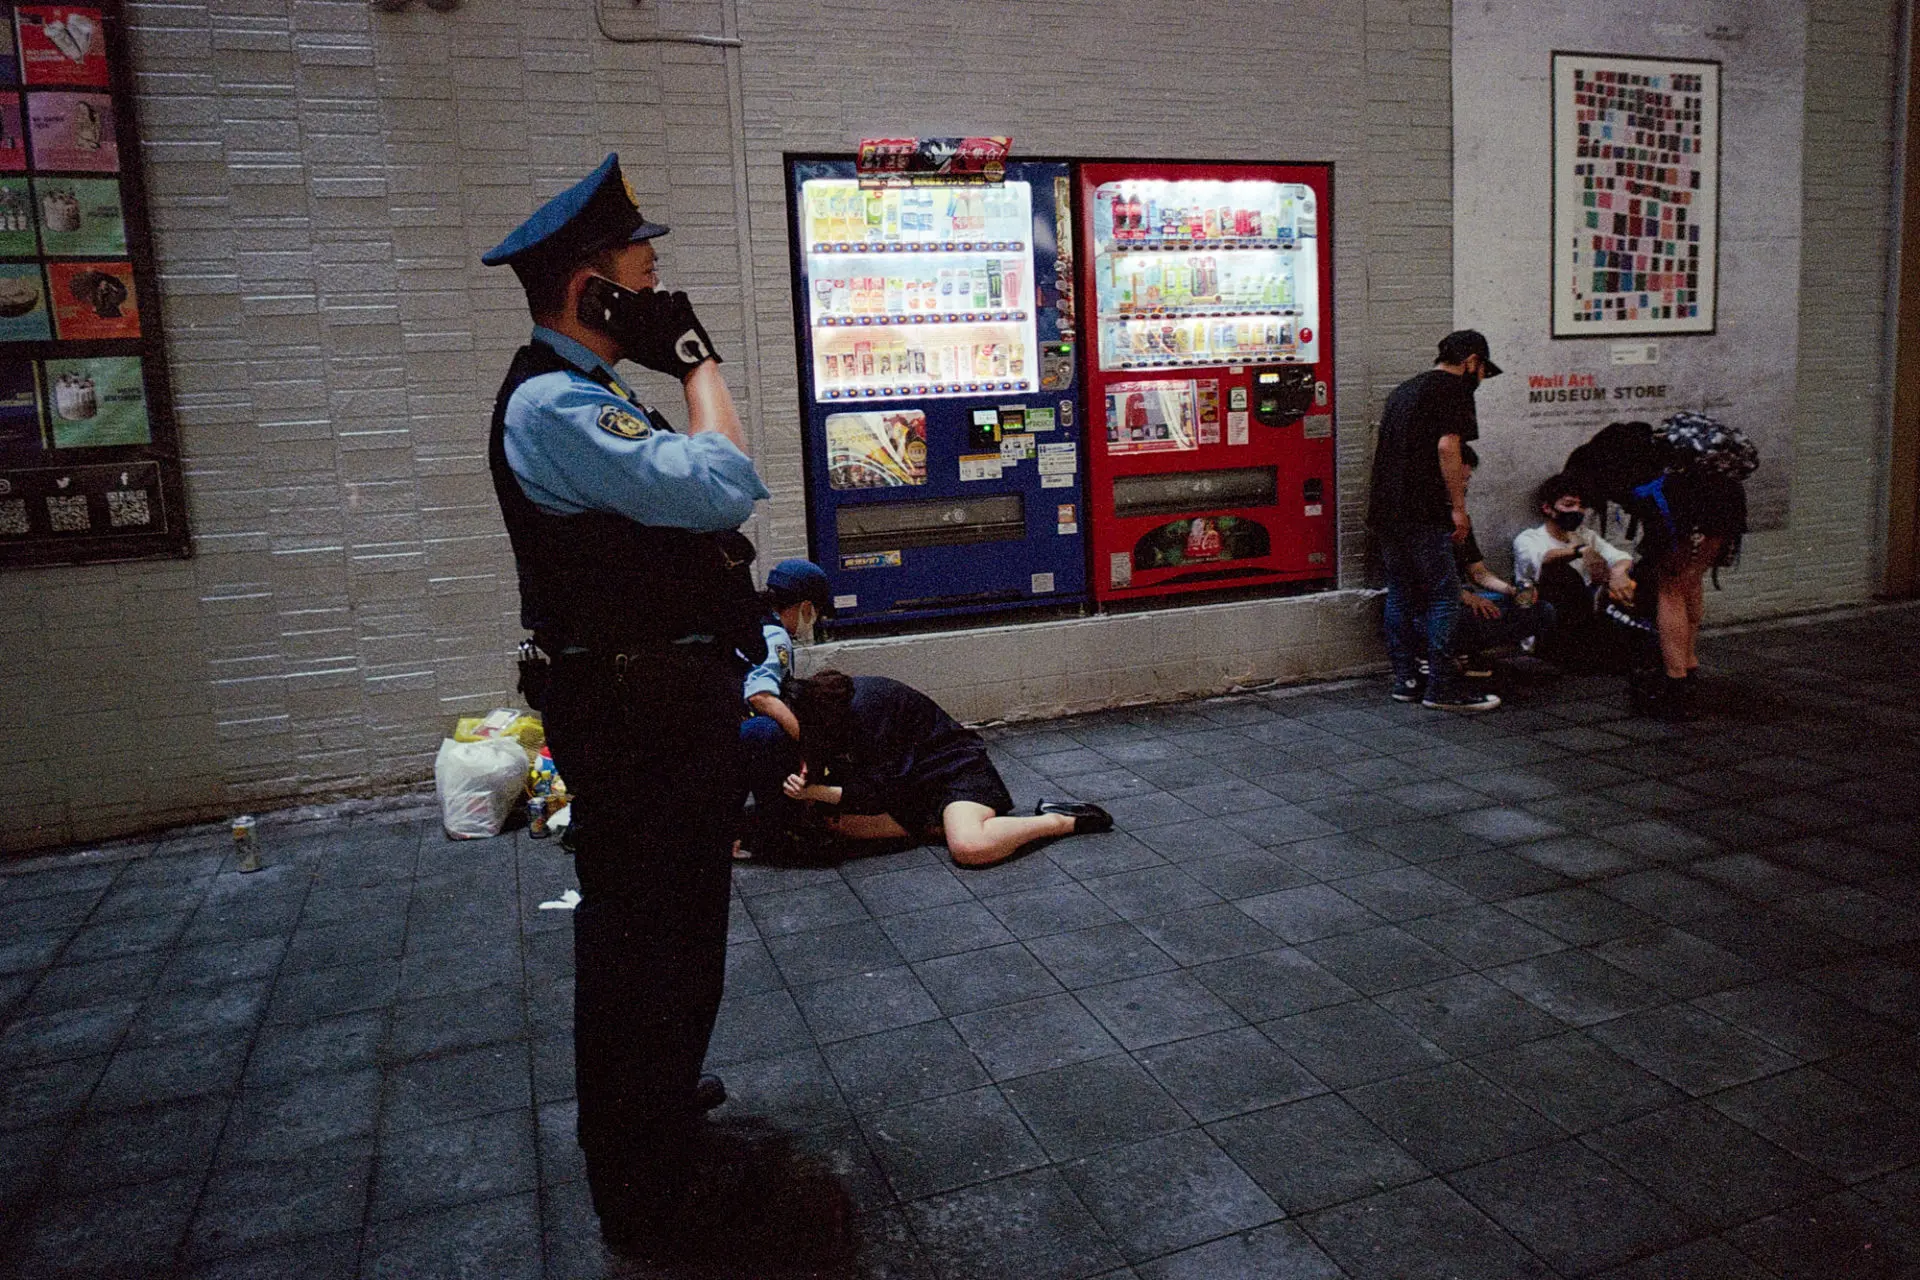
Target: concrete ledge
(1035,670)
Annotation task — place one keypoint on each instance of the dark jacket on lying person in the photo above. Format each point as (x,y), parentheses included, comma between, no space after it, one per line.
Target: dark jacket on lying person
(894,751)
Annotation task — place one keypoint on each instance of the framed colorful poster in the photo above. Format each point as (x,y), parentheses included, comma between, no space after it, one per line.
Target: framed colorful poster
(60,44)
(1636,195)
(89,454)
(79,217)
(73,132)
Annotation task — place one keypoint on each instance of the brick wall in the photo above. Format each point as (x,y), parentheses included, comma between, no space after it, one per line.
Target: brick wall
(323,179)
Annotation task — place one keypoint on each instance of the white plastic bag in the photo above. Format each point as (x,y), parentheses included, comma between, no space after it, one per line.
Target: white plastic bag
(478,784)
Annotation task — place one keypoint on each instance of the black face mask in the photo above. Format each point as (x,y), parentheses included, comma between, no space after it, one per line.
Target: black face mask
(1569,520)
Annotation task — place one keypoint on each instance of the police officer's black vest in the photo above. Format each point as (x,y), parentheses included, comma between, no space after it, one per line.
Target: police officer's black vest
(602,582)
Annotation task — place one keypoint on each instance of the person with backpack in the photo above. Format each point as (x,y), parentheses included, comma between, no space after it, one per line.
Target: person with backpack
(1682,485)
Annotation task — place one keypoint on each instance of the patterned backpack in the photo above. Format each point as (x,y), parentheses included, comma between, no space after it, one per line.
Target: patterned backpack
(1706,446)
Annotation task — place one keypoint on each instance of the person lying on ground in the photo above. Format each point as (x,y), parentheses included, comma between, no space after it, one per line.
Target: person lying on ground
(881,761)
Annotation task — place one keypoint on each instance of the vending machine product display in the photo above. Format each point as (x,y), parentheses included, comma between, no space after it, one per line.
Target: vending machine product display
(1208,370)
(938,379)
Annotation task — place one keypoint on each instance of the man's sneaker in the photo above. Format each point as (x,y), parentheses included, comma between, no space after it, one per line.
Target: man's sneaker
(1461,702)
(1412,689)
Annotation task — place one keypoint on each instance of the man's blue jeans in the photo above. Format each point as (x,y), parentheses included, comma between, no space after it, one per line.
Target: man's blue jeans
(1422,580)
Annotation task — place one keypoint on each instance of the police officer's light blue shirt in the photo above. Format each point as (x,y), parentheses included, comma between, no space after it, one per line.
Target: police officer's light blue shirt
(770,676)
(578,446)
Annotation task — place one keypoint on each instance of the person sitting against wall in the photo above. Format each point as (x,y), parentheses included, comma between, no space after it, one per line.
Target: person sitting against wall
(1587,580)
(1493,611)
(882,762)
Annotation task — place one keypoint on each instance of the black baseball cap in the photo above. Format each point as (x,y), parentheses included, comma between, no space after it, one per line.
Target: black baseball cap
(1461,343)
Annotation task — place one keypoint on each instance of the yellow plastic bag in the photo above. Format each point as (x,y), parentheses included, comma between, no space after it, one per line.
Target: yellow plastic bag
(523,727)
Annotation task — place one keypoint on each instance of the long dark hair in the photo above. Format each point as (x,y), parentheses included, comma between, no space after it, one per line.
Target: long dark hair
(823,704)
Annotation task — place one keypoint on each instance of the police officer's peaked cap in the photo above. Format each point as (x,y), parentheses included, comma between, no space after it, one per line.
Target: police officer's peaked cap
(596,213)
(792,581)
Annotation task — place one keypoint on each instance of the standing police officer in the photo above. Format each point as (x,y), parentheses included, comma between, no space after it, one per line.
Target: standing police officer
(636,585)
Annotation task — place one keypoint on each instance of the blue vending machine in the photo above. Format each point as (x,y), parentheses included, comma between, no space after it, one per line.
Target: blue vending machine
(938,379)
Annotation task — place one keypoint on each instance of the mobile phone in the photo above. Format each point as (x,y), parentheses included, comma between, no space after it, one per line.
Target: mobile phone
(601,300)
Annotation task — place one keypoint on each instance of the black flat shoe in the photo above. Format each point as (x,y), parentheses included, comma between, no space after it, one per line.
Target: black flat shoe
(709,1093)
(1088,819)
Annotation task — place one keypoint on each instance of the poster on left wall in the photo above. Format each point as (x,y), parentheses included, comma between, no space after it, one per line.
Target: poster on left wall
(89,457)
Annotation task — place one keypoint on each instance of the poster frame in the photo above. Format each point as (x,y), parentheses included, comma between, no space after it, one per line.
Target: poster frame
(172,538)
(1565,191)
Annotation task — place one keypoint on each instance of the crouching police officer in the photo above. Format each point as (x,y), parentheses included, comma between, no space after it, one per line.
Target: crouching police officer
(636,585)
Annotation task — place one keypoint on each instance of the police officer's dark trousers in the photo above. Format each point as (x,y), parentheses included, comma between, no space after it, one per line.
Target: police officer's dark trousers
(650,748)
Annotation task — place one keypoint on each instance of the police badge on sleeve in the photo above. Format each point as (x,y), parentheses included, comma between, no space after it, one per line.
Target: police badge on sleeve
(616,421)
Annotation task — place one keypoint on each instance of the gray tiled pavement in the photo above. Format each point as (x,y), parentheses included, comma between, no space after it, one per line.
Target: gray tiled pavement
(1356,990)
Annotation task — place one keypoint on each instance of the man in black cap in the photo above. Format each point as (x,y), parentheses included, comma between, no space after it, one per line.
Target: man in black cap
(1418,508)
(635,583)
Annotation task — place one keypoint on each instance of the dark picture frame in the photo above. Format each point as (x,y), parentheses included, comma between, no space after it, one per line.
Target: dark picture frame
(1635,195)
(90,467)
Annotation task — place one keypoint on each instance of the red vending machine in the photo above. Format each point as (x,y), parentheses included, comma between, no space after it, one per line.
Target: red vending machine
(1209,376)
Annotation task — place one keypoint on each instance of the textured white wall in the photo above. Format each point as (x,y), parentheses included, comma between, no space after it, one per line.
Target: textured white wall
(324,179)
(1745,371)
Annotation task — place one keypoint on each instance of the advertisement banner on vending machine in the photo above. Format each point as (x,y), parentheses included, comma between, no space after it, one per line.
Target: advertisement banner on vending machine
(950,161)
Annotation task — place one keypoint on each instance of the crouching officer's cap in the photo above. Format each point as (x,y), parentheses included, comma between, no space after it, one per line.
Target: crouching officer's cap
(598,212)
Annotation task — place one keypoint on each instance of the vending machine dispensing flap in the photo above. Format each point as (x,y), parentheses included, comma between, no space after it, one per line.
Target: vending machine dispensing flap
(942,522)
(1282,394)
(1183,492)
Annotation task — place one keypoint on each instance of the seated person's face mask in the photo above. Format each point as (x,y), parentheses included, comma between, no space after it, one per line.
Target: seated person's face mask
(1569,520)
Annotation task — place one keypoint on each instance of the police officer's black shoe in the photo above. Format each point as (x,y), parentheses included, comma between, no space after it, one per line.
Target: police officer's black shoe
(709,1093)
(1088,819)
(753,1207)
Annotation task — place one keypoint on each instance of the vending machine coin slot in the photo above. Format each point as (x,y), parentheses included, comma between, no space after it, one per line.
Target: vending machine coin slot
(1283,394)
(1056,366)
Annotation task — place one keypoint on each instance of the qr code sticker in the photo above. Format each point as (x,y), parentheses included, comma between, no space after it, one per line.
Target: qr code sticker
(128,506)
(69,515)
(13,517)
